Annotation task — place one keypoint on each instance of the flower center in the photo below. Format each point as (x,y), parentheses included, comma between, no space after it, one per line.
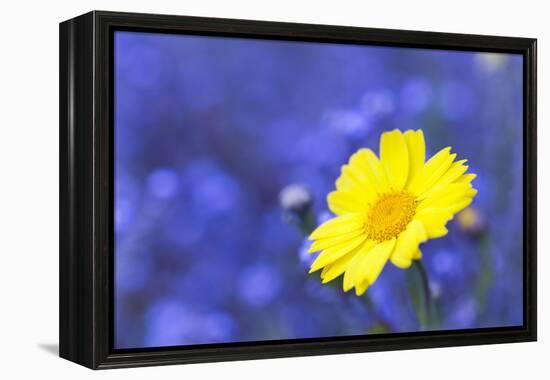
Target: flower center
(389,215)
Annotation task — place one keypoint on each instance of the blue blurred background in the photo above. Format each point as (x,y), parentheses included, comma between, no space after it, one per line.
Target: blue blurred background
(210,130)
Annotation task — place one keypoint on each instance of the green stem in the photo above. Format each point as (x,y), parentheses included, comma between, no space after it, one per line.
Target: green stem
(307,219)
(485,278)
(426,289)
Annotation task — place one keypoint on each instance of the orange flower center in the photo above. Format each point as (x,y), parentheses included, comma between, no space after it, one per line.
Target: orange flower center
(389,215)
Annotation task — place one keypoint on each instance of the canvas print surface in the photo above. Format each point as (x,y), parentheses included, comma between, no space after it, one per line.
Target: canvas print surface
(273,190)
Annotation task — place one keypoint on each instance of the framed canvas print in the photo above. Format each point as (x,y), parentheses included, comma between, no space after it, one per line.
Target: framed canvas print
(237,189)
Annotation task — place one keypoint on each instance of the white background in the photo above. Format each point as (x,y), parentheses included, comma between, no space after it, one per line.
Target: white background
(29,187)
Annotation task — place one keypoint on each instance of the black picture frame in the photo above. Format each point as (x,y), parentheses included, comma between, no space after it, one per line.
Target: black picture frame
(86,189)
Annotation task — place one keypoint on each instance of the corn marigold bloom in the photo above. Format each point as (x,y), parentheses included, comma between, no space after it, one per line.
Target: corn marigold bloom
(386,207)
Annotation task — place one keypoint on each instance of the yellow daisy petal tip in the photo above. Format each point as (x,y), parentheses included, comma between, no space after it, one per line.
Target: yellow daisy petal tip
(360,291)
(313,270)
(393,131)
(439,233)
(312,250)
(347,287)
(417,132)
(402,264)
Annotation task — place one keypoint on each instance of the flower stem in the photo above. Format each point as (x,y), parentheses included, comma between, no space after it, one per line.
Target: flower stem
(307,219)
(426,289)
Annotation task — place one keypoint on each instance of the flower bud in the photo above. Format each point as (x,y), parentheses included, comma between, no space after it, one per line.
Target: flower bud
(472,221)
(295,198)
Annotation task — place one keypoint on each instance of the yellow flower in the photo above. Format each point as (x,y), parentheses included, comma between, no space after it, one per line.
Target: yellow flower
(471,220)
(386,207)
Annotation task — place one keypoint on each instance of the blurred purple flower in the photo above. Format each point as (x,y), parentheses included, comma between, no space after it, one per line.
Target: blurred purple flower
(132,269)
(259,285)
(163,183)
(219,327)
(456,100)
(415,95)
(377,103)
(463,315)
(348,122)
(169,323)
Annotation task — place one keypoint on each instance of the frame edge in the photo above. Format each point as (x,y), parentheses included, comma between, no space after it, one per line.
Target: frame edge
(76,306)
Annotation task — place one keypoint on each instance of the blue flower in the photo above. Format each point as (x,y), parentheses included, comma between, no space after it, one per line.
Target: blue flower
(259,285)
(163,183)
(415,95)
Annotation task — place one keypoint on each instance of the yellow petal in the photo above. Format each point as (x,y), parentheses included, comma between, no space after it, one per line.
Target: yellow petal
(355,189)
(467,178)
(432,171)
(332,254)
(366,171)
(361,288)
(352,179)
(349,274)
(321,244)
(407,244)
(342,202)
(340,225)
(354,265)
(446,196)
(358,175)
(455,171)
(434,221)
(372,167)
(370,267)
(417,152)
(395,158)
(334,270)
(460,205)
